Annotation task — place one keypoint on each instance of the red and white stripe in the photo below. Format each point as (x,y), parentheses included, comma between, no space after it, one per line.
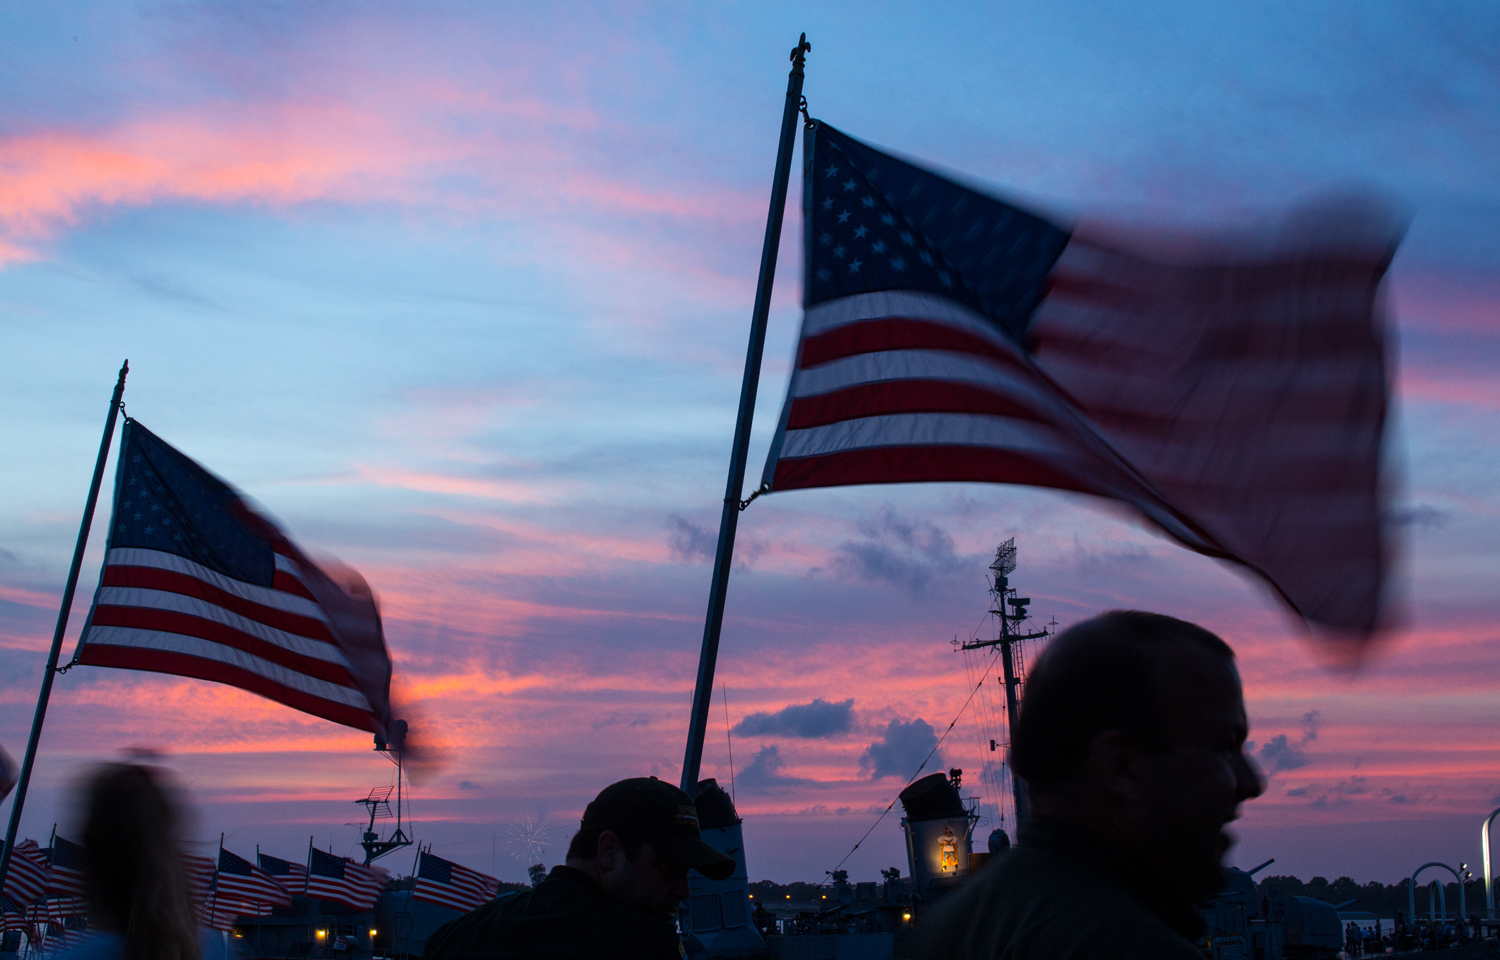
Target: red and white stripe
(258,888)
(59,907)
(359,888)
(200,877)
(901,386)
(1238,404)
(294,881)
(221,913)
(1250,393)
(162,612)
(27,878)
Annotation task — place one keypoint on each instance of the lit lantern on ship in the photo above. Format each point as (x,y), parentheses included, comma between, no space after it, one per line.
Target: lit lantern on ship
(939,831)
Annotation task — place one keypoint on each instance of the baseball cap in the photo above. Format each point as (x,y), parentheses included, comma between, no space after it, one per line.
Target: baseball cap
(650,809)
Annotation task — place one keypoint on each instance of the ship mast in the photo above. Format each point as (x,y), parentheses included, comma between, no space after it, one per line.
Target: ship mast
(1010,610)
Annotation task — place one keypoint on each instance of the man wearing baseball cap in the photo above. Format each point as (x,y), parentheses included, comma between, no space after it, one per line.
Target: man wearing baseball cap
(617,894)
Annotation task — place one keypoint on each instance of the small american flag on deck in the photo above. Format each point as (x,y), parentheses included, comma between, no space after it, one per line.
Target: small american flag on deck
(291,875)
(196,583)
(27,879)
(1232,393)
(449,884)
(12,915)
(66,874)
(242,881)
(59,907)
(344,881)
(200,877)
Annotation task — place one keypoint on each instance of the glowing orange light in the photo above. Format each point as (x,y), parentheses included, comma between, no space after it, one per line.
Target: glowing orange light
(322,934)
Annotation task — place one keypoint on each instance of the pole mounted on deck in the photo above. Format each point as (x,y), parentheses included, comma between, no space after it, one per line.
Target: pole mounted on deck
(729,519)
(50,671)
(1010,610)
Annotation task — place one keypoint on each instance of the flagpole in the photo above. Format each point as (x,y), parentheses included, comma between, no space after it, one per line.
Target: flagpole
(260,946)
(729,518)
(213,895)
(410,913)
(62,625)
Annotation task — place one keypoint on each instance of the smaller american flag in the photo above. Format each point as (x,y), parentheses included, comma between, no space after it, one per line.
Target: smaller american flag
(291,875)
(197,584)
(45,923)
(12,915)
(66,876)
(241,880)
(449,884)
(221,913)
(27,879)
(59,907)
(343,881)
(200,878)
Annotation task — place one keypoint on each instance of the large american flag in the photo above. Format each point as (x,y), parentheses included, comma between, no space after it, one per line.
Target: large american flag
(66,873)
(449,884)
(1234,394)
(27,879)
(197,584)
(342,880)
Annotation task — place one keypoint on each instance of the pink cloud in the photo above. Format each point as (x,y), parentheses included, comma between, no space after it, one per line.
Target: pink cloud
(393,144)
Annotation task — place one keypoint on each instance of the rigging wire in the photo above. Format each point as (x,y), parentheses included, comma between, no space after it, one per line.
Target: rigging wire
(988,731)
(909,782)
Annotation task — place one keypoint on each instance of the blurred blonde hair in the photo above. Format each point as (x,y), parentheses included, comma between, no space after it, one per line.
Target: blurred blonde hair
(134,873)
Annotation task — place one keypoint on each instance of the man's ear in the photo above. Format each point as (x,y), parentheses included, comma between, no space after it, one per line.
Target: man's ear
(1112,768)
(610,850)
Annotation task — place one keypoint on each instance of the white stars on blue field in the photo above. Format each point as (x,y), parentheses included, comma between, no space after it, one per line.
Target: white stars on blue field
(168,503)
(879,223)
(858,229)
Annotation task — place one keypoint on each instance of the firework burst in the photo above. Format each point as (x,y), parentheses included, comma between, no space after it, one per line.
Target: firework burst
(527,840)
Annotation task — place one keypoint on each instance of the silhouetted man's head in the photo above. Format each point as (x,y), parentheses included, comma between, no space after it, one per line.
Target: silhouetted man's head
(1133,724)
(638,839)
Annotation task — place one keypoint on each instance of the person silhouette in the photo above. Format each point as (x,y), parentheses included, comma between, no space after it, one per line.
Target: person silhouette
(134,875)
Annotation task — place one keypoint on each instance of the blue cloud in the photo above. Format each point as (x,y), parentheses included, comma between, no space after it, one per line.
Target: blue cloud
(897,754)
(817,719)
(1280,754)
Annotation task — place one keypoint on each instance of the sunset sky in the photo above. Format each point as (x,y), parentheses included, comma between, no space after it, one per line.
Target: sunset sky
(460,294)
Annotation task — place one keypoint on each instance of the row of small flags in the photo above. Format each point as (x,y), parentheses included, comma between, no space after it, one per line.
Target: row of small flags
(49,883)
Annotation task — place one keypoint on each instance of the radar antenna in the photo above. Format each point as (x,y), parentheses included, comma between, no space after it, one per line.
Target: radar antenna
(1010,610)
(378,803)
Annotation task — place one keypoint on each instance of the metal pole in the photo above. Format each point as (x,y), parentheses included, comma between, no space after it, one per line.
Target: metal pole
(1489,874)
(729,519)
(1008,640)
(62,625)
(1012,713)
